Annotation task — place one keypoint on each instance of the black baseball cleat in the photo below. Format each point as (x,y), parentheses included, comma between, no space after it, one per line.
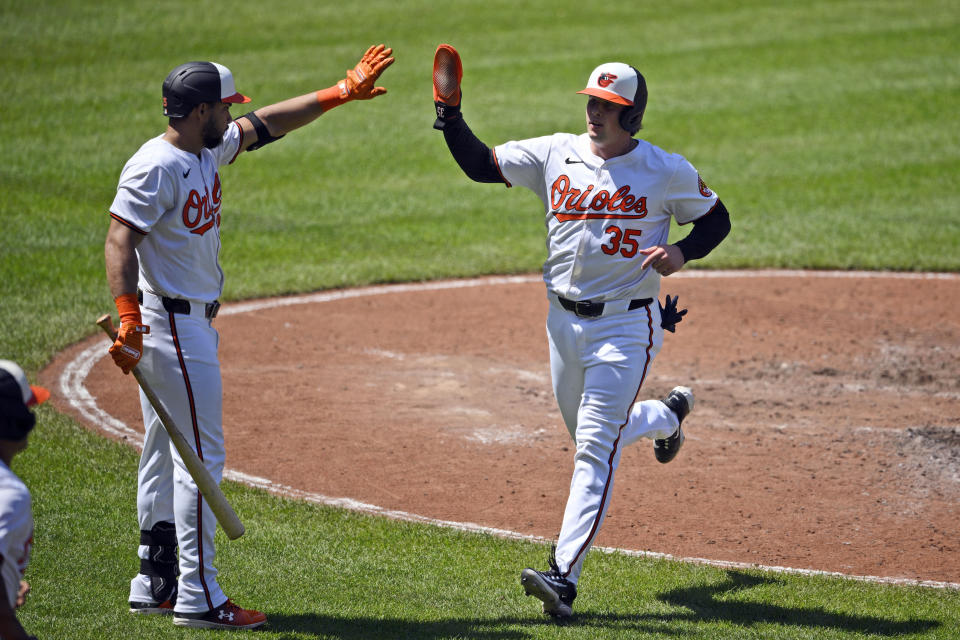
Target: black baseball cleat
(556,592)
(680,401)
(150,608)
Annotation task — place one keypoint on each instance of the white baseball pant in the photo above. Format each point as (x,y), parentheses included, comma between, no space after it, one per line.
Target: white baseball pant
(598,366)
(181,365)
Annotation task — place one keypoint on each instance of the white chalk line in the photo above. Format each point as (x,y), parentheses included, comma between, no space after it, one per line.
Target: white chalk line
(417,287)
(75,373)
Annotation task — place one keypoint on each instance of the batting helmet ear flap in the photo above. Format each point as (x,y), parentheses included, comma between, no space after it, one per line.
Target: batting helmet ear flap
(175,107)
(631,117)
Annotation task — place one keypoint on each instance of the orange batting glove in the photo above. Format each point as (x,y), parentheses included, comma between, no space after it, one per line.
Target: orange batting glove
(128,347)
(447,74)
(360,81)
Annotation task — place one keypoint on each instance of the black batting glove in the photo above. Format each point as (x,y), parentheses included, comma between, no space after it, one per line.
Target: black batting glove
(669,316)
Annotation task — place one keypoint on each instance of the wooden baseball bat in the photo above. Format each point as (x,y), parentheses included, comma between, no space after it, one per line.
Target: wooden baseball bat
(225,514)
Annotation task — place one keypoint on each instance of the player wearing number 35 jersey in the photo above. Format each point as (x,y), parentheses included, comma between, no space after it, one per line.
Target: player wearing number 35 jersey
(601,213)
(608,200)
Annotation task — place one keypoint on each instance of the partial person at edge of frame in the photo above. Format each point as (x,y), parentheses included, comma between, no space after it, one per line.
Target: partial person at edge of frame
(17,420)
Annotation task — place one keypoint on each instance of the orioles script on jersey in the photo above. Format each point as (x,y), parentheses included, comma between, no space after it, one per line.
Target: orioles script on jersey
(205,209)
(564,196)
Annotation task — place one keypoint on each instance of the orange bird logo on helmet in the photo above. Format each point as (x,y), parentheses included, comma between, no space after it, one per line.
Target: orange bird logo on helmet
(606,79)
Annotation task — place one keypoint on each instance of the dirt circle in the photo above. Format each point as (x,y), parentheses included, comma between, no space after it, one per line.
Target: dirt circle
(826,433)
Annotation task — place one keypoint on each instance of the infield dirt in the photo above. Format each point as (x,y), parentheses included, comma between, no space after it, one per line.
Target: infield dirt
(826,432)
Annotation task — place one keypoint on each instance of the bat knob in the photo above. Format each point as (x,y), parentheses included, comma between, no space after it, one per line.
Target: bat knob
(105,322)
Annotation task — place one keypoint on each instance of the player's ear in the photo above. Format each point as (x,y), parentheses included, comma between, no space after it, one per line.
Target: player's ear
(201,111)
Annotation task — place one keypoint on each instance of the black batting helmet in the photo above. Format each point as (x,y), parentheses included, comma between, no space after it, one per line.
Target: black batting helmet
(17,396)
(620,83)
(192,83)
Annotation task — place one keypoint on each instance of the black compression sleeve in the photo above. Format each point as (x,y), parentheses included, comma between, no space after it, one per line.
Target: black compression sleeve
(474,157)
(706,234)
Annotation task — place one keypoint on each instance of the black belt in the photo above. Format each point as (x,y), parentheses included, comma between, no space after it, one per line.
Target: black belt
(177,305)
(587,309)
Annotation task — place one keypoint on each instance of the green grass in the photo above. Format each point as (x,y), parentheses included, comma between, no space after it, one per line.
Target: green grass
(828,128)
(321,572)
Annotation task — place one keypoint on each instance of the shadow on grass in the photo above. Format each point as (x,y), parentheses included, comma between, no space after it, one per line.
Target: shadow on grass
(486,629)
(705,605)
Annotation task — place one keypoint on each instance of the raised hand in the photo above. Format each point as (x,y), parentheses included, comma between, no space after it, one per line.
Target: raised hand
(361,80)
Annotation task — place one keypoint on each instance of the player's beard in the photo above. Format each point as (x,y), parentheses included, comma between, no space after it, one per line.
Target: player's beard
(211,137)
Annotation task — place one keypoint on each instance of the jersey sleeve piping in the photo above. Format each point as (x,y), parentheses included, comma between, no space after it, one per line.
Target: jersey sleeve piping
(702,216)
(496,161)
(240,145)
(127,224)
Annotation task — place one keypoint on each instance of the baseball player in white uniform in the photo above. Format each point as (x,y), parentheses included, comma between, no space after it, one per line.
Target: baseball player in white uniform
(608,201)
(17,397)
(163,271)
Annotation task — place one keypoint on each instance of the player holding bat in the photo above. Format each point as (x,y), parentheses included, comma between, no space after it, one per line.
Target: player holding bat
(163,271)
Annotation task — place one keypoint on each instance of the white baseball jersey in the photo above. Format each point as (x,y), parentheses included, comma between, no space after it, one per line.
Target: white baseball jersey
(173,198)
(16,530)
(600,213)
